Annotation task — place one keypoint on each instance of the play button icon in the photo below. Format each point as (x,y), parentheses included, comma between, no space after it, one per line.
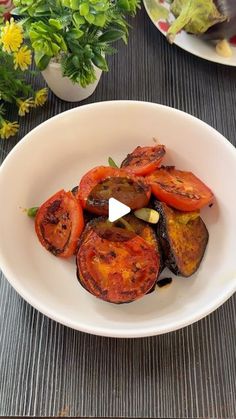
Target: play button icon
(116,209)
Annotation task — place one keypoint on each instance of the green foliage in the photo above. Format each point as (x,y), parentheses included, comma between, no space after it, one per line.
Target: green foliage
(77,33)
(2,10)
(47,41)
(12,81)
(15,61)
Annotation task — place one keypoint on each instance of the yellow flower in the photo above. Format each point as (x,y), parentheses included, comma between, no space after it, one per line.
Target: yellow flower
(11,36)
(41,97)
(8,129)
(22,58)
(25,105)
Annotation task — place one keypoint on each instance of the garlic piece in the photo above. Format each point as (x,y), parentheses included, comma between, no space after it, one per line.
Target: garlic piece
(147,214)
(223,49)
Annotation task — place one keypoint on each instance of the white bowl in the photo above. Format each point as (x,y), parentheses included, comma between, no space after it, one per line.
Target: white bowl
(55,155)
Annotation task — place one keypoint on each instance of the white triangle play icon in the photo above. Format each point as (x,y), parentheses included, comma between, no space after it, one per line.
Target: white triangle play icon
(116,209)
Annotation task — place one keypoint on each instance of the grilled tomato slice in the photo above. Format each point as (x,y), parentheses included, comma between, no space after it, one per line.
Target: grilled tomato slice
(144,160)
(179,189)
(59,223)
(115,264)
(102,183)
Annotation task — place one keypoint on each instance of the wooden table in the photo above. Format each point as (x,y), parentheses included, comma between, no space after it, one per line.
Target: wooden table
(47,369)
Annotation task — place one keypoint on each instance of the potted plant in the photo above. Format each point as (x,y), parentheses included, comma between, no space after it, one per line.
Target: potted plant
(15,89)
(71,39)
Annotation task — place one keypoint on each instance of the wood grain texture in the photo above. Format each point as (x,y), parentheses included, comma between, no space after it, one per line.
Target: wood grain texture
(47,369)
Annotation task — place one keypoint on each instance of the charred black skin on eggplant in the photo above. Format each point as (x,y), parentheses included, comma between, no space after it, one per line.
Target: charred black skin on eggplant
(168,258)
(226,29)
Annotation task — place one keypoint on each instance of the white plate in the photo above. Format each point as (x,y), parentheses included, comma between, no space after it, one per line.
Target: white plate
(190,43)
(55,155)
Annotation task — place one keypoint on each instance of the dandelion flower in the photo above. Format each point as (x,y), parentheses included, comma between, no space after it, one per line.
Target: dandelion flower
(41,97)
(11,36)
(8,129)
(22,58)
(25,105)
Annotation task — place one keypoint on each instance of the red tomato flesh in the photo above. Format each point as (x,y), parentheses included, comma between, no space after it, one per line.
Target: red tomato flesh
(179,189)
(59,223)
(144,160)
(114,264)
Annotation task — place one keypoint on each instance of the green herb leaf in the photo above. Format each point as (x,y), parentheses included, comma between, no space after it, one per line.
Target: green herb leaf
(31,212)
(112,163)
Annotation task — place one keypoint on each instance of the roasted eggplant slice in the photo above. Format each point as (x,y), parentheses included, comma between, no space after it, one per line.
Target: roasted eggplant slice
(183,238)
(103,182)
(115,264)
(141,228)
(132,192)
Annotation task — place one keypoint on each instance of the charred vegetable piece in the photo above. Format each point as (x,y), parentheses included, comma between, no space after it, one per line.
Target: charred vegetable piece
(144,160)
(163,282)
(179,189)
(147,232)
(183,244)
(59,223)
(194,16)
(114,264)
(131,192)
(141,229)
(102,183)
(75,190)
(226,29)
(88,216)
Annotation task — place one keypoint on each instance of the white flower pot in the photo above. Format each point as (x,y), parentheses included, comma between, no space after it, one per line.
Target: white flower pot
(63,87)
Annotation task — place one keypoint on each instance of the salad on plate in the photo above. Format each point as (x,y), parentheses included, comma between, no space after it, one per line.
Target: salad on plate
(210,19)
(209,26)
(122,261)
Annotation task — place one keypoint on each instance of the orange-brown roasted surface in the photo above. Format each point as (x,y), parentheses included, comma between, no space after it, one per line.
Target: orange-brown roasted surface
(116,264)
(183,238)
